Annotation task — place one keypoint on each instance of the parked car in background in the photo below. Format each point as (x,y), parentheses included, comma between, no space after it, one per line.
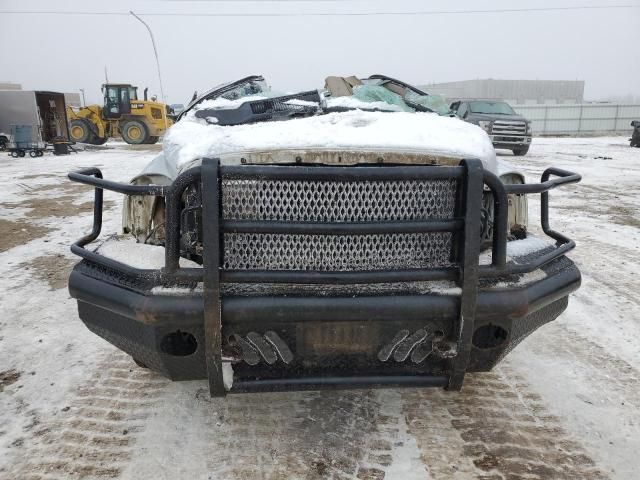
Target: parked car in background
(635,137)
(506,128)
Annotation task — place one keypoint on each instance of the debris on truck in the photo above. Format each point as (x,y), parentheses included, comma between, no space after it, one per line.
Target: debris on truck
(322,240)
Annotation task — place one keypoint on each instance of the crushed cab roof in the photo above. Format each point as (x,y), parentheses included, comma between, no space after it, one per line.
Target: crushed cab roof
(368,122)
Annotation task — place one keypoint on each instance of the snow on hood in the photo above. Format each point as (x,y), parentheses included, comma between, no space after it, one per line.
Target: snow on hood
(427,133)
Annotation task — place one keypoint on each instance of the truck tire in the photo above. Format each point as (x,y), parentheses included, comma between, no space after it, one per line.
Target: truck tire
(14,153)
(135,132)
(33,153)
(519,152)
(80,131)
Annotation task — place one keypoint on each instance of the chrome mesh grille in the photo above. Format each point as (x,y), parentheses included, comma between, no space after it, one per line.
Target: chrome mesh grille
(333,201)
(318,201)
(250,251)
(505,127)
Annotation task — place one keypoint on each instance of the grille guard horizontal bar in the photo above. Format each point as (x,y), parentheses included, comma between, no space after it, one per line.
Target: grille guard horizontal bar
(342,228)
(173,194)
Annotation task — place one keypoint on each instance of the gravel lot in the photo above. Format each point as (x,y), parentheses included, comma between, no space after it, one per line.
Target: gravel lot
(564,404)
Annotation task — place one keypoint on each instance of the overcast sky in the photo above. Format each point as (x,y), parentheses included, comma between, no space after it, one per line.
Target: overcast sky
(68,52)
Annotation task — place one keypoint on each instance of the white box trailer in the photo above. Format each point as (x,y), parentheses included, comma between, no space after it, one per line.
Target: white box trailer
(44,111)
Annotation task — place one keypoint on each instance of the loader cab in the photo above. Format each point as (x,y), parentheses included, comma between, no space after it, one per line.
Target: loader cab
(117,99)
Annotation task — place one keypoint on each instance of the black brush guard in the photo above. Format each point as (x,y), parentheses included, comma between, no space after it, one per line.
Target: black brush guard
(466,272)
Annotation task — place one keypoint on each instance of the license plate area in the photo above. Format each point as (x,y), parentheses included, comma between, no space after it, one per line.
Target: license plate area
(321,339)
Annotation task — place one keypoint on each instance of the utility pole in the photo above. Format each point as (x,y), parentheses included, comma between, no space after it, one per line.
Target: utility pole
(155,52)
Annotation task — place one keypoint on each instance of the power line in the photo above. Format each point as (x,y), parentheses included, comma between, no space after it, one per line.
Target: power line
(329,14)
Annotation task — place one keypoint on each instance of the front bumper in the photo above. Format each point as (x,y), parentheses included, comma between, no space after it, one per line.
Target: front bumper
(510,141)
(144,325)
(297,329)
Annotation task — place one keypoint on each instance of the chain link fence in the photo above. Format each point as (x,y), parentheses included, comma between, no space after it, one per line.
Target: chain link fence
(587,119)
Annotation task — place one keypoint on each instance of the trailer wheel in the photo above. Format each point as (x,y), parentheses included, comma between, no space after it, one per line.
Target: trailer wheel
(14,153)
(80,131)
(40,153)
(135,132)
(33,153)
(21,153)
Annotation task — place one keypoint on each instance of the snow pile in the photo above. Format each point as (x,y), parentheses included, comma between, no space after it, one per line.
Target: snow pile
(430,133)
(531,244)
(177,291)
(138,255)
(524,279)
(302,103)
(227,375)
(518,248)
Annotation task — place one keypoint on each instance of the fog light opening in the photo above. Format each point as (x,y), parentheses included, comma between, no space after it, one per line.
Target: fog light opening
(179,344)
(489,336)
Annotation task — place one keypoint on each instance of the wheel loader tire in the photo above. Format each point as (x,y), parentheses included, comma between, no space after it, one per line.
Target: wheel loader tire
(152,140)
(80,131)
(135,132)
(99,140)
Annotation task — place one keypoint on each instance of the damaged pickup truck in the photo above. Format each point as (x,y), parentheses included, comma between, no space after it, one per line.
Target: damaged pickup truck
(353,236)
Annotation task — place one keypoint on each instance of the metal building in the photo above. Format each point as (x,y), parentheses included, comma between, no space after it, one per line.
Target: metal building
(10,86)
(521,92)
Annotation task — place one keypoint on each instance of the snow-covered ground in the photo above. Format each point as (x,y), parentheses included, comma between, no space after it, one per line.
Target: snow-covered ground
(564,404)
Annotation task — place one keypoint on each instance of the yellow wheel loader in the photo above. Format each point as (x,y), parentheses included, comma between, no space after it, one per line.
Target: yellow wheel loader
(136,121)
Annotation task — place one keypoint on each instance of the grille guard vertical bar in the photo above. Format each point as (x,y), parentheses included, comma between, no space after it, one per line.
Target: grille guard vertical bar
(471,208)
(500,219)
(212,255)
(172,217)
(97,204)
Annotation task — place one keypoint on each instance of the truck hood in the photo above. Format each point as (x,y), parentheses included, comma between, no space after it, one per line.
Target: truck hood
(341,138)
(476,117)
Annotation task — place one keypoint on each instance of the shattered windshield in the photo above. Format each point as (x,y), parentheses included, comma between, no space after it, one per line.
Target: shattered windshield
(492,108)
(251,88)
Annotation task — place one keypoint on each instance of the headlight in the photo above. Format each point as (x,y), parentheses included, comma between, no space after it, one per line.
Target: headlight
(485,125)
